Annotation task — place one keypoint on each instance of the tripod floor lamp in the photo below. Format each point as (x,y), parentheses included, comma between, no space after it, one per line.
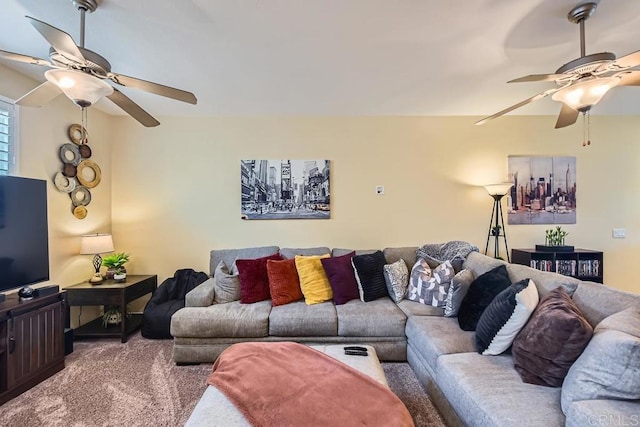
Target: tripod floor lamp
(496,224)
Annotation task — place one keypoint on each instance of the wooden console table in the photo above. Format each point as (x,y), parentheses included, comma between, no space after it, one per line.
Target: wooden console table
(111,293)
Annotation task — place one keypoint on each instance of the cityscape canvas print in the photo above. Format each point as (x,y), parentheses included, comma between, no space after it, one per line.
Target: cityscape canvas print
(285,189)
(544,190)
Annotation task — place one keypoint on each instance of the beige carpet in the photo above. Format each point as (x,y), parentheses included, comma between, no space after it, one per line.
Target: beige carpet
(106,383)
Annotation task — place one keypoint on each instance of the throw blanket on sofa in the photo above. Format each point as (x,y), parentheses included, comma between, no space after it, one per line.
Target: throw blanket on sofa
(289,384)
(449,251)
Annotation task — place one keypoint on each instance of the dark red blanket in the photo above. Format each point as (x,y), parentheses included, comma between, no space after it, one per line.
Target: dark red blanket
(289,384)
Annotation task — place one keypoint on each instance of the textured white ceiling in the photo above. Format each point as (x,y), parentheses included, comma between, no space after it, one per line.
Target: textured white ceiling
(335,57)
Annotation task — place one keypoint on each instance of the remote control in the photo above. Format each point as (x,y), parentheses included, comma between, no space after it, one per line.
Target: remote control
(355,347)
(355,353)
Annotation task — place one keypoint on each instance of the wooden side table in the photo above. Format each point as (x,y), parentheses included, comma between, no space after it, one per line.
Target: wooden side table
(111,293)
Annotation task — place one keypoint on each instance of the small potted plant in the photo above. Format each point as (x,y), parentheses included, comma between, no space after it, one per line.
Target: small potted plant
(115,266)
(111,316)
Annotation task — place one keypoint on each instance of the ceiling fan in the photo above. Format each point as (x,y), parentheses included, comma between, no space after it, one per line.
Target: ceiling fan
(80,73)
(583,82)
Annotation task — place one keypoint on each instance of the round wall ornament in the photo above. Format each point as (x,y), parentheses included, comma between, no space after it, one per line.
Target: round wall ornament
(69,154)
(85,150)
(78,134)
(80,196)
(69,170)
(80,212)
(64,184)
(91,181)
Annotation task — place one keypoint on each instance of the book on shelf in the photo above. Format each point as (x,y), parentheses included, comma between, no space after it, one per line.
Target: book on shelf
(566,267)
(589,267)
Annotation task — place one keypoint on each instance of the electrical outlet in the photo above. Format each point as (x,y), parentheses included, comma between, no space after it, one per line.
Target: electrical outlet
(380,189)
(619,233)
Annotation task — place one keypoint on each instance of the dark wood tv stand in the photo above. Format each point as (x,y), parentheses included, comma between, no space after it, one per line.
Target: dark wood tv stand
(31,342)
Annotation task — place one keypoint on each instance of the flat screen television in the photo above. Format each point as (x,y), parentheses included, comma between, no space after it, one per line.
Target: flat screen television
(24,237)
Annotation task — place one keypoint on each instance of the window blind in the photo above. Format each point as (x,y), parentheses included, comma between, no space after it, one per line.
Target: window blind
(7,127)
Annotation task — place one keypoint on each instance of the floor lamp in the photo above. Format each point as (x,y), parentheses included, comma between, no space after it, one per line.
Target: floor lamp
(496,224)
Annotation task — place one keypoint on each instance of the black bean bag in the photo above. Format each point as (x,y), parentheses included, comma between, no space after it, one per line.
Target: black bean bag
(166,300)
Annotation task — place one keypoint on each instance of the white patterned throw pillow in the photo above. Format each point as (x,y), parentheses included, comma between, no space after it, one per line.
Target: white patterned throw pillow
(429,286)
(396,276)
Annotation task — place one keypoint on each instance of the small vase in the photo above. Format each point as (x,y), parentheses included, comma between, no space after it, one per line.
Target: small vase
(120,277)
(112,271)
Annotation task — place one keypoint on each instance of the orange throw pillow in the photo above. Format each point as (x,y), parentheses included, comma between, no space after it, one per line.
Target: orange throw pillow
(284,284)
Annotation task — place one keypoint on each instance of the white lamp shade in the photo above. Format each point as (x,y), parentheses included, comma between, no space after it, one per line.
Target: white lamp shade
(82,88)
(498,189)
(93,244)
(585,93)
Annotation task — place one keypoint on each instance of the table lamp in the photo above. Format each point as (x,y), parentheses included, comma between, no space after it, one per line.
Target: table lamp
(96,244)
(496,229)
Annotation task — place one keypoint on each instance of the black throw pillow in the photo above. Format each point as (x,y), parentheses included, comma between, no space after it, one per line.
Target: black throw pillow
(481,292)
(369,271)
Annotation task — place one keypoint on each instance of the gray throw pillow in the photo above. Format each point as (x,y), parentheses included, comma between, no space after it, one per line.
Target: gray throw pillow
(226,284)
(429,286)
(457,291)
(396,276)
(609,367)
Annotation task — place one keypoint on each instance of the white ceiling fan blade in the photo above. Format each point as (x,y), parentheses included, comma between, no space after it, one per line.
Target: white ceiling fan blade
(628,61)
(515,106)
(567,116)
(538,78)
(62,42)
(40,96)
(24,58)
(158,89)
(133,109)
(629,78)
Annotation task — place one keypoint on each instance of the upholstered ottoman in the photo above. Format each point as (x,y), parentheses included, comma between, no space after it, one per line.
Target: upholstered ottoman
(214,409)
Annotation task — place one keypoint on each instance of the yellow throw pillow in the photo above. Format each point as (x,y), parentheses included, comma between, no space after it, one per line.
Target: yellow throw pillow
(313,280)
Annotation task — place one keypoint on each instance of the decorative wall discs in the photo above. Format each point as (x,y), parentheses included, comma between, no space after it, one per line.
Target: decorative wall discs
(69,170)
(85,151)
(80,196)
(97,173)
(80,212)
(64,184)
(78,134)
(69,153)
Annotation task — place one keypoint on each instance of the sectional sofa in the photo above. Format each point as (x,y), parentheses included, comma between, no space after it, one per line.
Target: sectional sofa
(468,388)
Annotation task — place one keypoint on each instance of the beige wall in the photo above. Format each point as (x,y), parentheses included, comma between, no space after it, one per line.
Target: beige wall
(41,133)
(176,190)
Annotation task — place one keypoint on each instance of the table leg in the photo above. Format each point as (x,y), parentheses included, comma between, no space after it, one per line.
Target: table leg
(123,322)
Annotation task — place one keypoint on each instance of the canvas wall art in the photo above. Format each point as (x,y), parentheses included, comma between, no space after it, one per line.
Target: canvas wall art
(544,190)
(285,189)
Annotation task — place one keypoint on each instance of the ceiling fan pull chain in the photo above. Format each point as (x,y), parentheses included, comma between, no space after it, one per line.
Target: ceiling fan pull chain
(588,128)
(584,129)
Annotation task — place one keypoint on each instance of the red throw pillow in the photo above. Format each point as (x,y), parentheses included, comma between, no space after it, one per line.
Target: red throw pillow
(284,283)
(254,281)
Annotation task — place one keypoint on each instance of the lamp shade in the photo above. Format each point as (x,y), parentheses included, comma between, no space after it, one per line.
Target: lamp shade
(93,244)
(82,88)
(498,189)
(586,92)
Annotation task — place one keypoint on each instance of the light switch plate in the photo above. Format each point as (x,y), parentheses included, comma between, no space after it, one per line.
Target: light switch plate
(619,233)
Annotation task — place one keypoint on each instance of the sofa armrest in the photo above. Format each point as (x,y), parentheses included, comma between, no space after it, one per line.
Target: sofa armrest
(202,295)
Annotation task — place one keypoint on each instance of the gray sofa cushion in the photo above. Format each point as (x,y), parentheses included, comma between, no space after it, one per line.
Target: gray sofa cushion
(290,253)
(341,251)
(545,281)
(603,413)
(297,319)
(598,301)
(434,336)
(229,256)
(412,308)
(609,368)
(379,318)
(226,283)
(202,295)
(230,320)
(408,254)
(480,264)
(487,391)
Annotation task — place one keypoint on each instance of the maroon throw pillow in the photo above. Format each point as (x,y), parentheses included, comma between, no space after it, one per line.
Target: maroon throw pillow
(551,341)
(284,283)
(341,278)
(254,281)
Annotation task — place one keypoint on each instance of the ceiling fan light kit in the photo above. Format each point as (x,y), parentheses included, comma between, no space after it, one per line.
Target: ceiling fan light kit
(81,74)
(582,82)
(83,89)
